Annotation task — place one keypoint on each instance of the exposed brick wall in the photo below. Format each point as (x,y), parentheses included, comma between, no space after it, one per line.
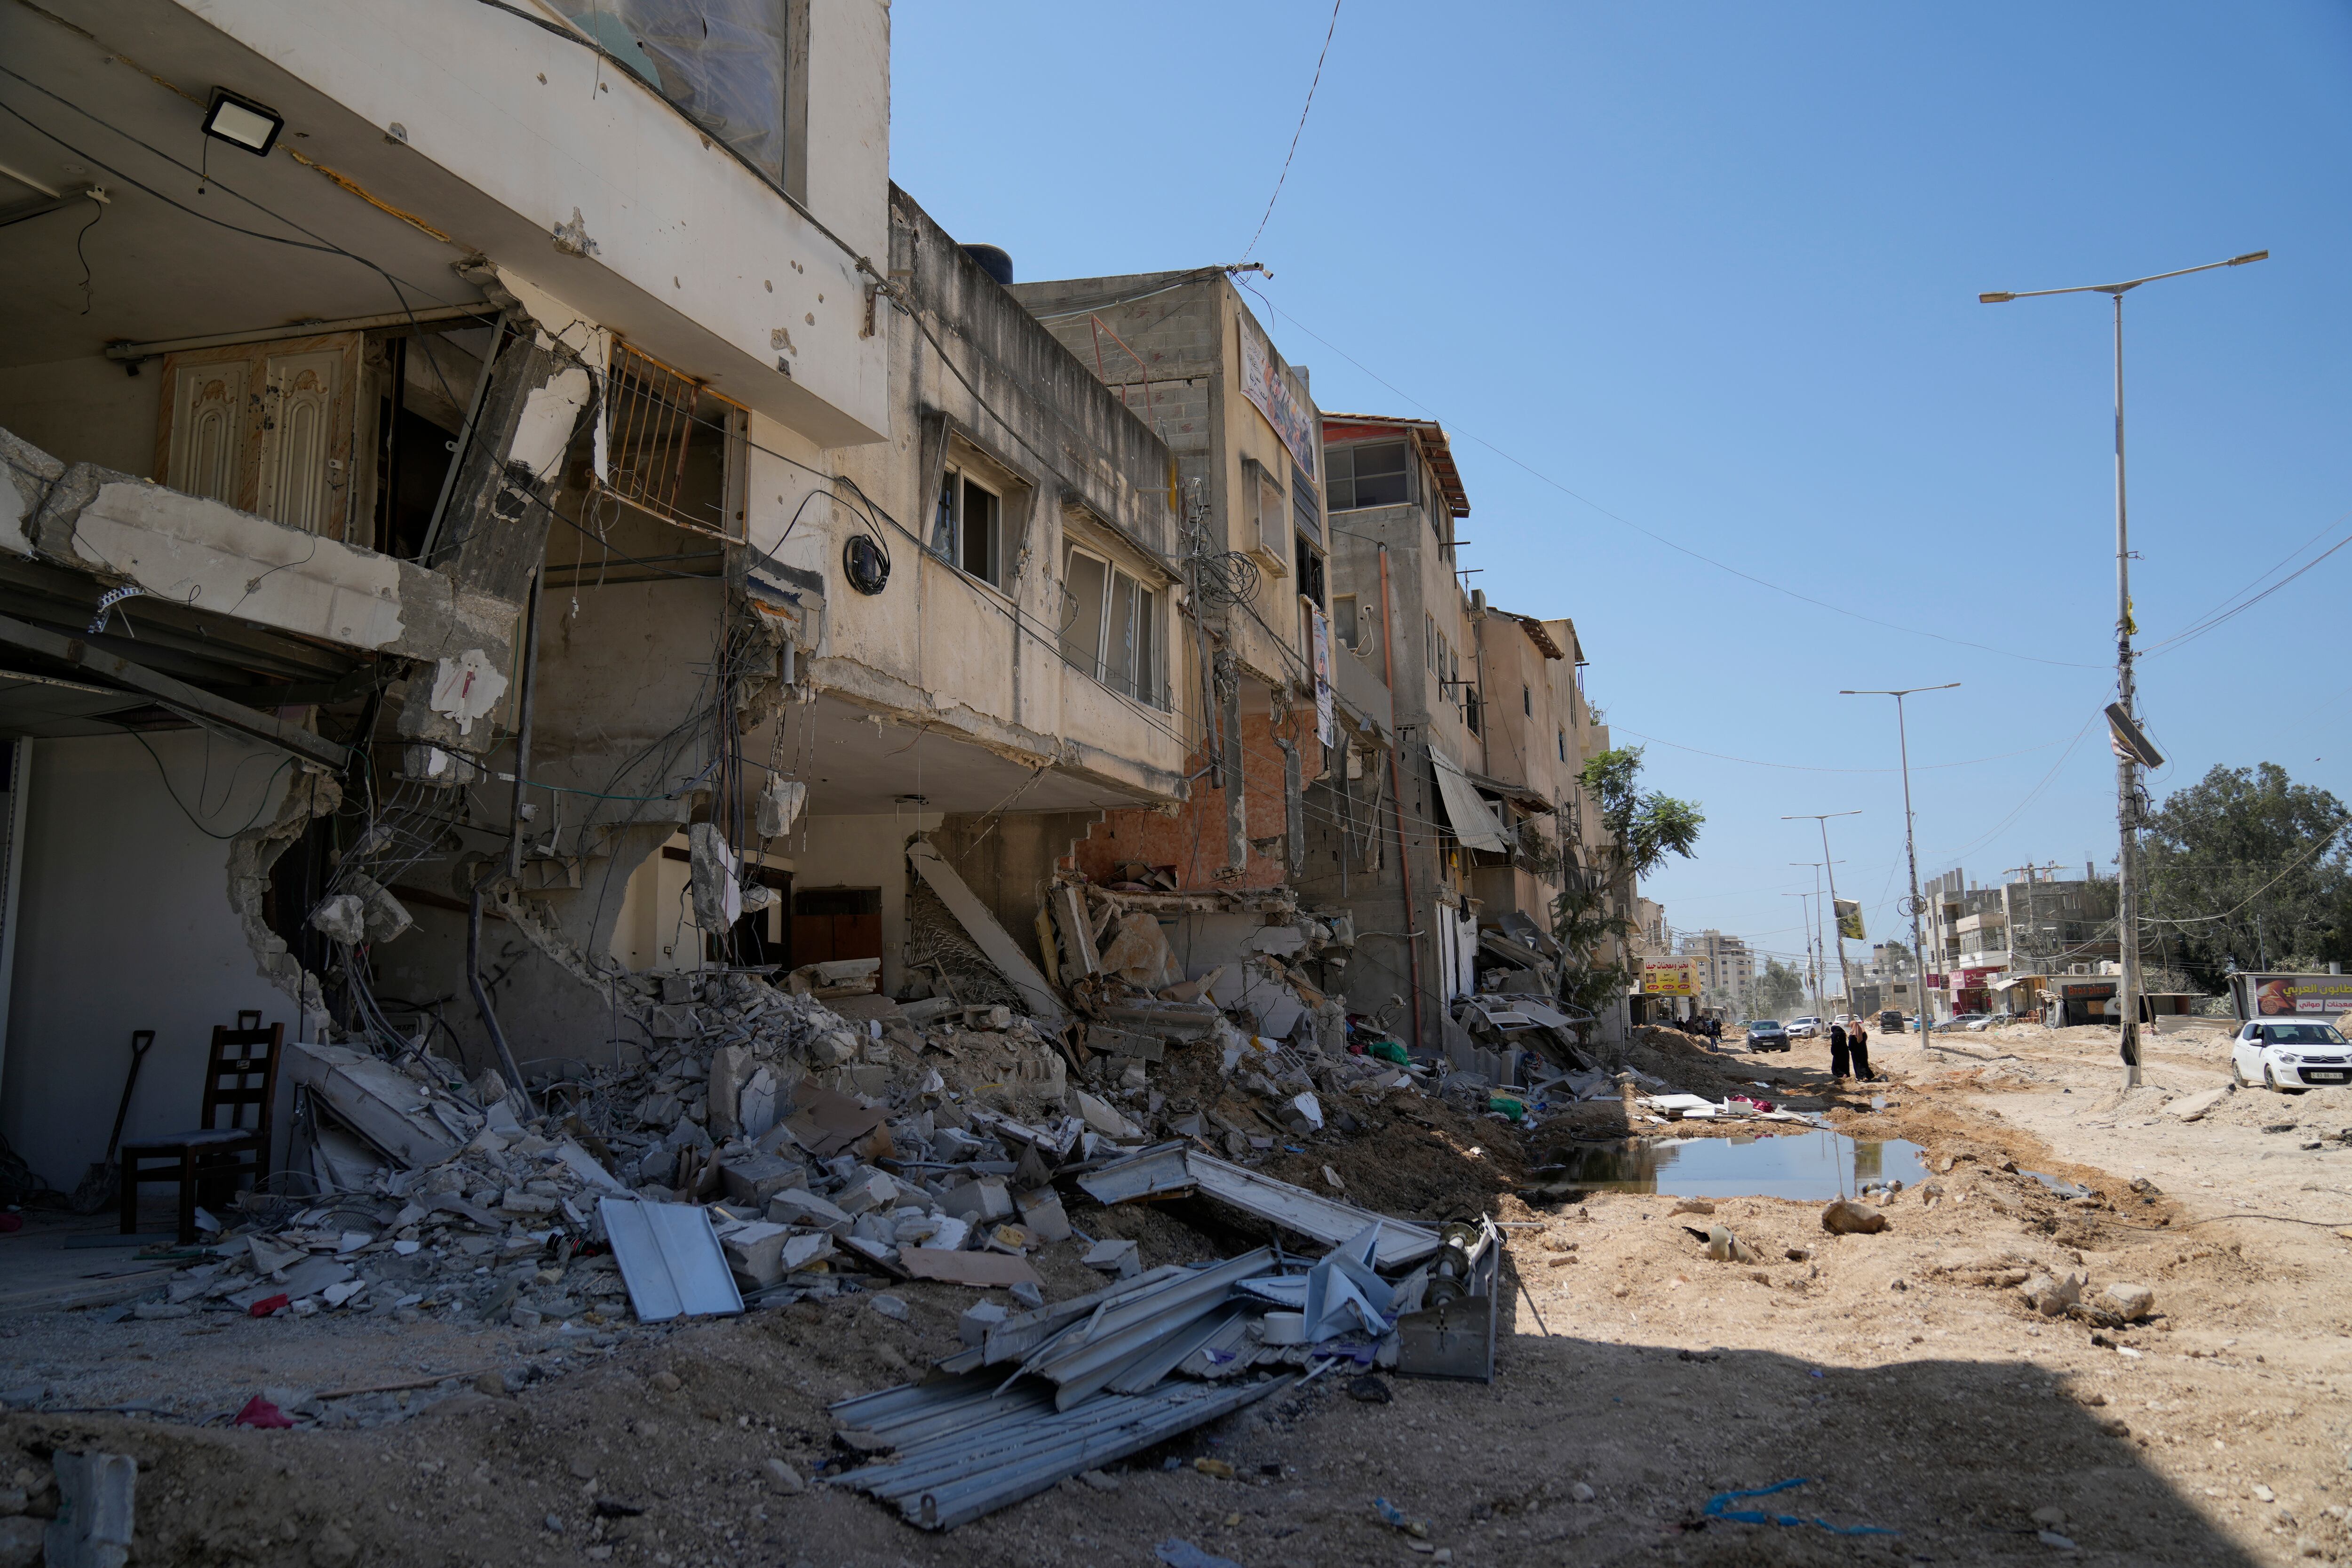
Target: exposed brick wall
(1194,840)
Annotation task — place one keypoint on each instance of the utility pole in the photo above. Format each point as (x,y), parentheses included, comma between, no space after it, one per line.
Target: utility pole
(1812,959)
(1914,905)
(1845,982)
(2126,760)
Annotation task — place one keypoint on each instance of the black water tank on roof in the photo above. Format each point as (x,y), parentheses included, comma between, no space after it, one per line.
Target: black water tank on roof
(997,263)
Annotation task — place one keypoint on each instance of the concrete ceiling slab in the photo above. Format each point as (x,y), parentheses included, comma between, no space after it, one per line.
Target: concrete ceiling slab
(857,763)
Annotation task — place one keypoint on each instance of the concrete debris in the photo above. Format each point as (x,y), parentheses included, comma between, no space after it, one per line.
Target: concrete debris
(96,1501)
(1846,1217)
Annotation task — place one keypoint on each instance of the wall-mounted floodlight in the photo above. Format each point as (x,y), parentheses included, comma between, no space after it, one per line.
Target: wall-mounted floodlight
(241,122)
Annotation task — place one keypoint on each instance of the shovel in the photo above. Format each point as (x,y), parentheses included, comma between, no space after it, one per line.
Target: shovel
(102,1183)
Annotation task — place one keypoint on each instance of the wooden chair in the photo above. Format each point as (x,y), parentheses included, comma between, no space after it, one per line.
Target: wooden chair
(240,1074)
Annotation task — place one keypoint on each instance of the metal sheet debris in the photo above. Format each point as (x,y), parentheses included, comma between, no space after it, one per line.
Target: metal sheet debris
(993,1450)
(1311,1214)
(670,1259)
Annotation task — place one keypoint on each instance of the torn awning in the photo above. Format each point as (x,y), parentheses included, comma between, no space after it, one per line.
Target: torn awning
(1474,822)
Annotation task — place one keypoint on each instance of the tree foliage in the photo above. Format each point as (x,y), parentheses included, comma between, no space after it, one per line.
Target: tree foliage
(2245,863)
(1779,990)
(1642,827)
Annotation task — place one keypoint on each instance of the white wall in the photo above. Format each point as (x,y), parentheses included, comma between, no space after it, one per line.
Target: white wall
(519,130)
(125,924)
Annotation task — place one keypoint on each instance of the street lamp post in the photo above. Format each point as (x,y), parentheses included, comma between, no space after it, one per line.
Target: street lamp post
(2126,764)
(1812,955)
(1845,981)
(1910,842)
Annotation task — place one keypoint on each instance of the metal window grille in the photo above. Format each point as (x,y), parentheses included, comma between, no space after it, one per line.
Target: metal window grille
(649,426)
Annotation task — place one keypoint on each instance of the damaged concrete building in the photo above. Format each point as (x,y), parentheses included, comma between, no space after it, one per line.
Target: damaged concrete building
(528,550)
(533,554)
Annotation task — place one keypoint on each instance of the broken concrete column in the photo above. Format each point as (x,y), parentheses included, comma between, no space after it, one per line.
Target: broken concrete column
(731,1069)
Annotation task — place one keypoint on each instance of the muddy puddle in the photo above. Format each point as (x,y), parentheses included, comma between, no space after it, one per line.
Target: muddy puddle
(1803,1165)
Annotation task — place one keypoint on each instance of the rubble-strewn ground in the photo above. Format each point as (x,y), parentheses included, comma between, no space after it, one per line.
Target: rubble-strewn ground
(1910,1392)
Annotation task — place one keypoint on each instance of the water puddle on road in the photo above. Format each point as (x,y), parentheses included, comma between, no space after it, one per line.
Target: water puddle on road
(1802,1165)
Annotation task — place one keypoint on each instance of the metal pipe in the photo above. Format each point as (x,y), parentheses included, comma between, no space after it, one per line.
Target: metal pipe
(1396,788)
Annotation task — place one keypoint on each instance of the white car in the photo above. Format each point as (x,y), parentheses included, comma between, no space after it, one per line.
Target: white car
(1805,1029)
(2290,1057)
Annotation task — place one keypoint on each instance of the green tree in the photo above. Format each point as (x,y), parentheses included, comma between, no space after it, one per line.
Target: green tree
(1779,991)
(2241,864)
(1642,827)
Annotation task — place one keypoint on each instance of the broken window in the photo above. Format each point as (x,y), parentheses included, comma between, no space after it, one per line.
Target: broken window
(1087,583)
(969,525)
(726,63)
(1345,623)
(1371,473)
(1310,569)
(669,442)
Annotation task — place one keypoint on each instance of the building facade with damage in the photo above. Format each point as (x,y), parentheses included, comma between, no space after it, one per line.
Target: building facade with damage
(558,526)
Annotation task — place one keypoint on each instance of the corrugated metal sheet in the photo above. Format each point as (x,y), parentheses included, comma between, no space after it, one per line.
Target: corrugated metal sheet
(969,1450)
(1311,1215)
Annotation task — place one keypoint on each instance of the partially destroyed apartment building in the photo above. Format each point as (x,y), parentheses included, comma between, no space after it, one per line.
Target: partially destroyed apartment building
(1464,832)
(506,516)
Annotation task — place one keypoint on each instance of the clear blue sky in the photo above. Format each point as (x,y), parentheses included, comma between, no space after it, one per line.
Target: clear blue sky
(1714,269)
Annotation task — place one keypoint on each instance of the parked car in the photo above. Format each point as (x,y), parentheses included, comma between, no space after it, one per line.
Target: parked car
(1767,1034)
(1890,1022)
(2290,1057)
(1961,1021)
(1805,1029)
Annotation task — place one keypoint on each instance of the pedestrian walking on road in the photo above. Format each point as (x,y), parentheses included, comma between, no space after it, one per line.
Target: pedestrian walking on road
(1837,1052)
(1857,1050)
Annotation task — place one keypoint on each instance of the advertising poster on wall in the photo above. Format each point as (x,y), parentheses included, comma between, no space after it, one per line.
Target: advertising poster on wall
(1264,385)
(2292,996)
(1670,976)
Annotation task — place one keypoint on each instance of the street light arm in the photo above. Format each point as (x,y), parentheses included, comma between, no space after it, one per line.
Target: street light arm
(2004,296)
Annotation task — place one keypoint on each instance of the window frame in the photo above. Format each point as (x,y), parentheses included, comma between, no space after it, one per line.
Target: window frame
(1340,493)
(1144,675)
(956,480)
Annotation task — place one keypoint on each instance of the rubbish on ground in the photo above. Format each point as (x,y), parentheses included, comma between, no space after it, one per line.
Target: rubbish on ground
(1719,1507)
(1450,1329)
(1396,1518)
(260,1411)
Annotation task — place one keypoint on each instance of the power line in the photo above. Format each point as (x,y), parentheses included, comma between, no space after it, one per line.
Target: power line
(1295,135)
(1804,768)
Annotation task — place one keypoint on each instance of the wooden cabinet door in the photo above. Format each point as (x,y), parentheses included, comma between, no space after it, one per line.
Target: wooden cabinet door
(265,427)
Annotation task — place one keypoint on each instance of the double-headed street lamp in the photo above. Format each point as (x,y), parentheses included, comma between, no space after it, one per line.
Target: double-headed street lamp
(1910,842)
(2124,718)
(1845,983)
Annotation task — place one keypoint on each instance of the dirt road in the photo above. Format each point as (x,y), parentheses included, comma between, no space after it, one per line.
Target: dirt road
(1909,1388)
